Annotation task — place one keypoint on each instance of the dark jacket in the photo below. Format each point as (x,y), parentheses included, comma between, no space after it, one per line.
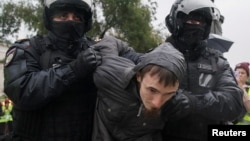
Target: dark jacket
(119,115)
(218,99)
(50,103)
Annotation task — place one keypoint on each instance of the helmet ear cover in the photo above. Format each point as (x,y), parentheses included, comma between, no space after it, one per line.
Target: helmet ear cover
(174,25)
(169,24)
(170,19)
(46,19)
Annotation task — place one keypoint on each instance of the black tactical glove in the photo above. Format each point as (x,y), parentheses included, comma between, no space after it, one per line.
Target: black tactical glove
(179,106)
(86,62)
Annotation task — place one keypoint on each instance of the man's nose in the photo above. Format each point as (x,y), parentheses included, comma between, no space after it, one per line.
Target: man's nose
(157,102)
(70,17)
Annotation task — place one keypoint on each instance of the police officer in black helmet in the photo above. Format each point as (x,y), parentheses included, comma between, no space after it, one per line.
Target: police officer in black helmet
(57,20)
(49,78)
(210,94)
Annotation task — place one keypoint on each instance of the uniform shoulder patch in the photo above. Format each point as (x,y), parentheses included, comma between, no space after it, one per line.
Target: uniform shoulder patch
(9,56)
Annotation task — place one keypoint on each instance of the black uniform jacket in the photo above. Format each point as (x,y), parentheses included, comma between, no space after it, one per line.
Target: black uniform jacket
(50,103)
(210,79)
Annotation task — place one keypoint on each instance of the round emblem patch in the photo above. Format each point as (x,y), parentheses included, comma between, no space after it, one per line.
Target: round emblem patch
(9,57)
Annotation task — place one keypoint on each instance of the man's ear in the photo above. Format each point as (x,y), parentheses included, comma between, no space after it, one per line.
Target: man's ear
(138,77)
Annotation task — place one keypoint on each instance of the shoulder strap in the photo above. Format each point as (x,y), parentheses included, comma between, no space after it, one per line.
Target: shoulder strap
(23,43)
(214,56)
(41,44)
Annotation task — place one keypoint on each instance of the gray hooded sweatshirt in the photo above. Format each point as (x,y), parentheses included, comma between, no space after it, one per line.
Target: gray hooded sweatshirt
(118,114)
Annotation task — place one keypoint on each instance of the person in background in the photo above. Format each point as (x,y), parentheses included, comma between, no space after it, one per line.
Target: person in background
(49,77)
(242,75)
(6,116)
(212,93)
(2,124)
(130,97)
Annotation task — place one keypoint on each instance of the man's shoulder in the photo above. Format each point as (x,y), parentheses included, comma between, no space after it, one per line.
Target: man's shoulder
(25,42)
(35,43)
(219,58)
(21,43)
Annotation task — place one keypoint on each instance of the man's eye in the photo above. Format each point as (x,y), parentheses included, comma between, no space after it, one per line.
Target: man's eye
(152,90)
(60,16)
(77,18)
(63,16)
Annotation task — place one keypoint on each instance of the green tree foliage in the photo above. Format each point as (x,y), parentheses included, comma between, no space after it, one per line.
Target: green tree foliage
(31,14)
(9,22)
(129,20)
(13,13)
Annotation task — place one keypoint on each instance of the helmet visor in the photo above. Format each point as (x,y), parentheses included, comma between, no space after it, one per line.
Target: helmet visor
(187,6)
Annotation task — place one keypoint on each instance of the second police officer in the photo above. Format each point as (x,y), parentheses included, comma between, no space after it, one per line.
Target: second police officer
(212,94)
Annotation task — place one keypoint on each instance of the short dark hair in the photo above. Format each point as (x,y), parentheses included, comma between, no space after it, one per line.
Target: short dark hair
(166,76)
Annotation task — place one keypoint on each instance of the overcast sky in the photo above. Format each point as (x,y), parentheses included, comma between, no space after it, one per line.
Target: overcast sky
(236,26)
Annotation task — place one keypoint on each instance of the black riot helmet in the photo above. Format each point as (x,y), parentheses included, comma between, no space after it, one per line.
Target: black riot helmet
(181,9)
(82,7)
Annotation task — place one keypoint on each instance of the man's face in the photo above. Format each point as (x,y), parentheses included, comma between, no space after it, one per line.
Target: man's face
(241,75)
(67,25)
(153,93)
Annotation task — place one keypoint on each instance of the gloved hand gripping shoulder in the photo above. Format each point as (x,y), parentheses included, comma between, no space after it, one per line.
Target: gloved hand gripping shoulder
(86,62)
